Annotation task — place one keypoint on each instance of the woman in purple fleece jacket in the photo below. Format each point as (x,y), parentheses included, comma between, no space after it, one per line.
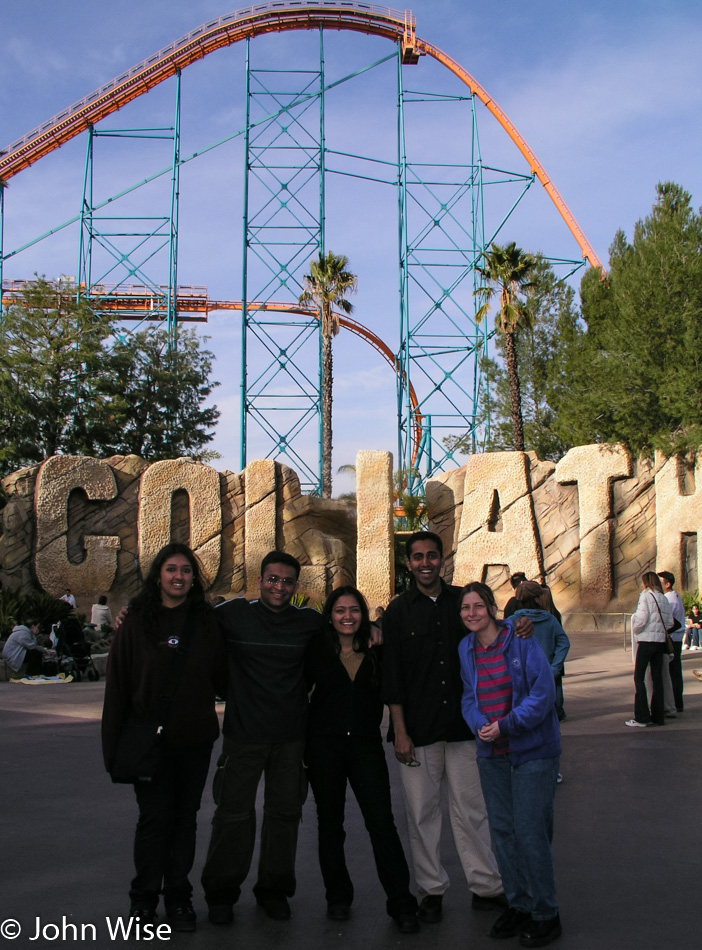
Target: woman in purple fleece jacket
(508,696)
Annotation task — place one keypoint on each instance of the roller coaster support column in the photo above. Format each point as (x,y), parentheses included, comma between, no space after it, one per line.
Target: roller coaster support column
(117,252)
(283,231)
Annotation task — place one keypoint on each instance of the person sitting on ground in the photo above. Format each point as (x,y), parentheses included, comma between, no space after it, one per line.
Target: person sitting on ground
(22,646)
(693,630)
(69,599)
(100,612)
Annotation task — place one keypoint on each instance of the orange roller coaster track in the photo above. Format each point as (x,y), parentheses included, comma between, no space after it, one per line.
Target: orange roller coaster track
(193,304)
(270,17)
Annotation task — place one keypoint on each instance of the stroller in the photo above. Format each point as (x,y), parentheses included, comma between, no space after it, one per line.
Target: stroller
(73,651)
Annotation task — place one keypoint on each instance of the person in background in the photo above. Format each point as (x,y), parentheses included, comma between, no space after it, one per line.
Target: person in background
(515,580)
(344,747)
(100,613)
(22,646)
(508,703)
(678,608)
(69,599)
(653,617)
(534,602)
(693,630)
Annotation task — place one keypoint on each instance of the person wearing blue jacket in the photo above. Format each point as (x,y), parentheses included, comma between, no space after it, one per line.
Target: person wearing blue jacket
(508,702)
(532,601)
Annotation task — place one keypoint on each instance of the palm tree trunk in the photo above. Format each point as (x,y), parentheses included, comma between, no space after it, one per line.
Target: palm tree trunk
(515,395)
(327,379)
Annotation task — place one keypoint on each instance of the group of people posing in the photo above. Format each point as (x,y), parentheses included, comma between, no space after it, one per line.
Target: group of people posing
(472,702)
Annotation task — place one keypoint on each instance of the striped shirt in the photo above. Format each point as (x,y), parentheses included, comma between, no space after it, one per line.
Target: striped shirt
(494,685)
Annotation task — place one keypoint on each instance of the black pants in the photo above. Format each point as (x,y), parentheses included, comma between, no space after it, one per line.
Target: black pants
(676,675)
(164,843)
(649,652)
(331,762)
(239,770)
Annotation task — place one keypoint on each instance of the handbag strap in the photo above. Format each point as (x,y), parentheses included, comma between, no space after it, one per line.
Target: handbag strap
(667,631)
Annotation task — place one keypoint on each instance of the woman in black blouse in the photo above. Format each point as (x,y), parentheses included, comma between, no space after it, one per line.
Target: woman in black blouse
(344,746)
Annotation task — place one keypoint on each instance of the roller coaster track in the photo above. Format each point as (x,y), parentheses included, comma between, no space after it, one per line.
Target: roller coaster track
(269,17)
(193,304)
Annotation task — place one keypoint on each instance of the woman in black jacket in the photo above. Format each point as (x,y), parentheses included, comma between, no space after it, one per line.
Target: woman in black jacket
(344,745)
(165,667)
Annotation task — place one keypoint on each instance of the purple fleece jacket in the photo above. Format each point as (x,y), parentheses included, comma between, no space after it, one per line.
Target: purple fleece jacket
(532,723)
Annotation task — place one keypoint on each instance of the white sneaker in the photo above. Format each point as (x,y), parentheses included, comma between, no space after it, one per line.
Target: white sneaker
(692,649)
(685,646)
(635,724)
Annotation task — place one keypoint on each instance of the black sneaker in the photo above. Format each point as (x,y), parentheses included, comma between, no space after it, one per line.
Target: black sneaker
(511,923)
(496,902)
(338,910)
(431,910)
(145,912)
(221,914)
(407,922)
(182,916)
(541,932)
(277,908)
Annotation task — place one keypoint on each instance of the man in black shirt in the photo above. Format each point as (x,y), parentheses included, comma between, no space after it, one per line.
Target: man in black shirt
(423,688)
(264,728)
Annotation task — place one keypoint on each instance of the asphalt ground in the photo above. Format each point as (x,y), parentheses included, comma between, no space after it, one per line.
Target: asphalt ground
(628,840)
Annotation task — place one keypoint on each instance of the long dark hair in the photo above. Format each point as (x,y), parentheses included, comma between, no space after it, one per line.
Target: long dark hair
(148,601)
(362,635)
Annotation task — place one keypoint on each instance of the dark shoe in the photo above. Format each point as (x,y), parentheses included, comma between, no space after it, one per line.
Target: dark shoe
(277,908)
(182,916)
(145,913)
(511,923)
(221,914)
(540,932)
(498,902)
(338,910)
(407,922)
(430,910)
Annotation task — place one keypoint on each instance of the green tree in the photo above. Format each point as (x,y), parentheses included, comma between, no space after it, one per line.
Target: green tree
(507,272)
(325,287)
(636,374)
(68,386)
(154,406)
(51,357)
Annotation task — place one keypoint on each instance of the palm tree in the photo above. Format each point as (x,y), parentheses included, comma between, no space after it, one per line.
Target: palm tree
(325,287)
(508,271)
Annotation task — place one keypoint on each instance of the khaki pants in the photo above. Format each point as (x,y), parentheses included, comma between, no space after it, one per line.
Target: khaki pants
(454,764)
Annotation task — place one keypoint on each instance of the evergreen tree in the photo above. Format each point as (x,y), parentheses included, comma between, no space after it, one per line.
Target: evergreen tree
(51,357)
(154,406)
(636,375)
(68,386)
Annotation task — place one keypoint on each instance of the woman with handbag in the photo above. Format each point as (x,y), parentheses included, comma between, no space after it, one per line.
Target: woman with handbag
(649,627)
(165,667)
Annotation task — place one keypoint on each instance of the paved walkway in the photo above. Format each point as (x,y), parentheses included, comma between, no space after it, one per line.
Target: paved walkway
(628,831)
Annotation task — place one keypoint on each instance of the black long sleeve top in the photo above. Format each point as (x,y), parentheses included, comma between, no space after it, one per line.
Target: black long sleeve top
(421,670)
(340,706)
(138,671)
(267,699)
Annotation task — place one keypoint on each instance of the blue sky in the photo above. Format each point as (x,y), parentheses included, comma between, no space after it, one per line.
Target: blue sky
(608,95)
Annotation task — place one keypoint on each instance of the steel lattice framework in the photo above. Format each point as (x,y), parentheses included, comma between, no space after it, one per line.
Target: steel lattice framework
(128,264)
